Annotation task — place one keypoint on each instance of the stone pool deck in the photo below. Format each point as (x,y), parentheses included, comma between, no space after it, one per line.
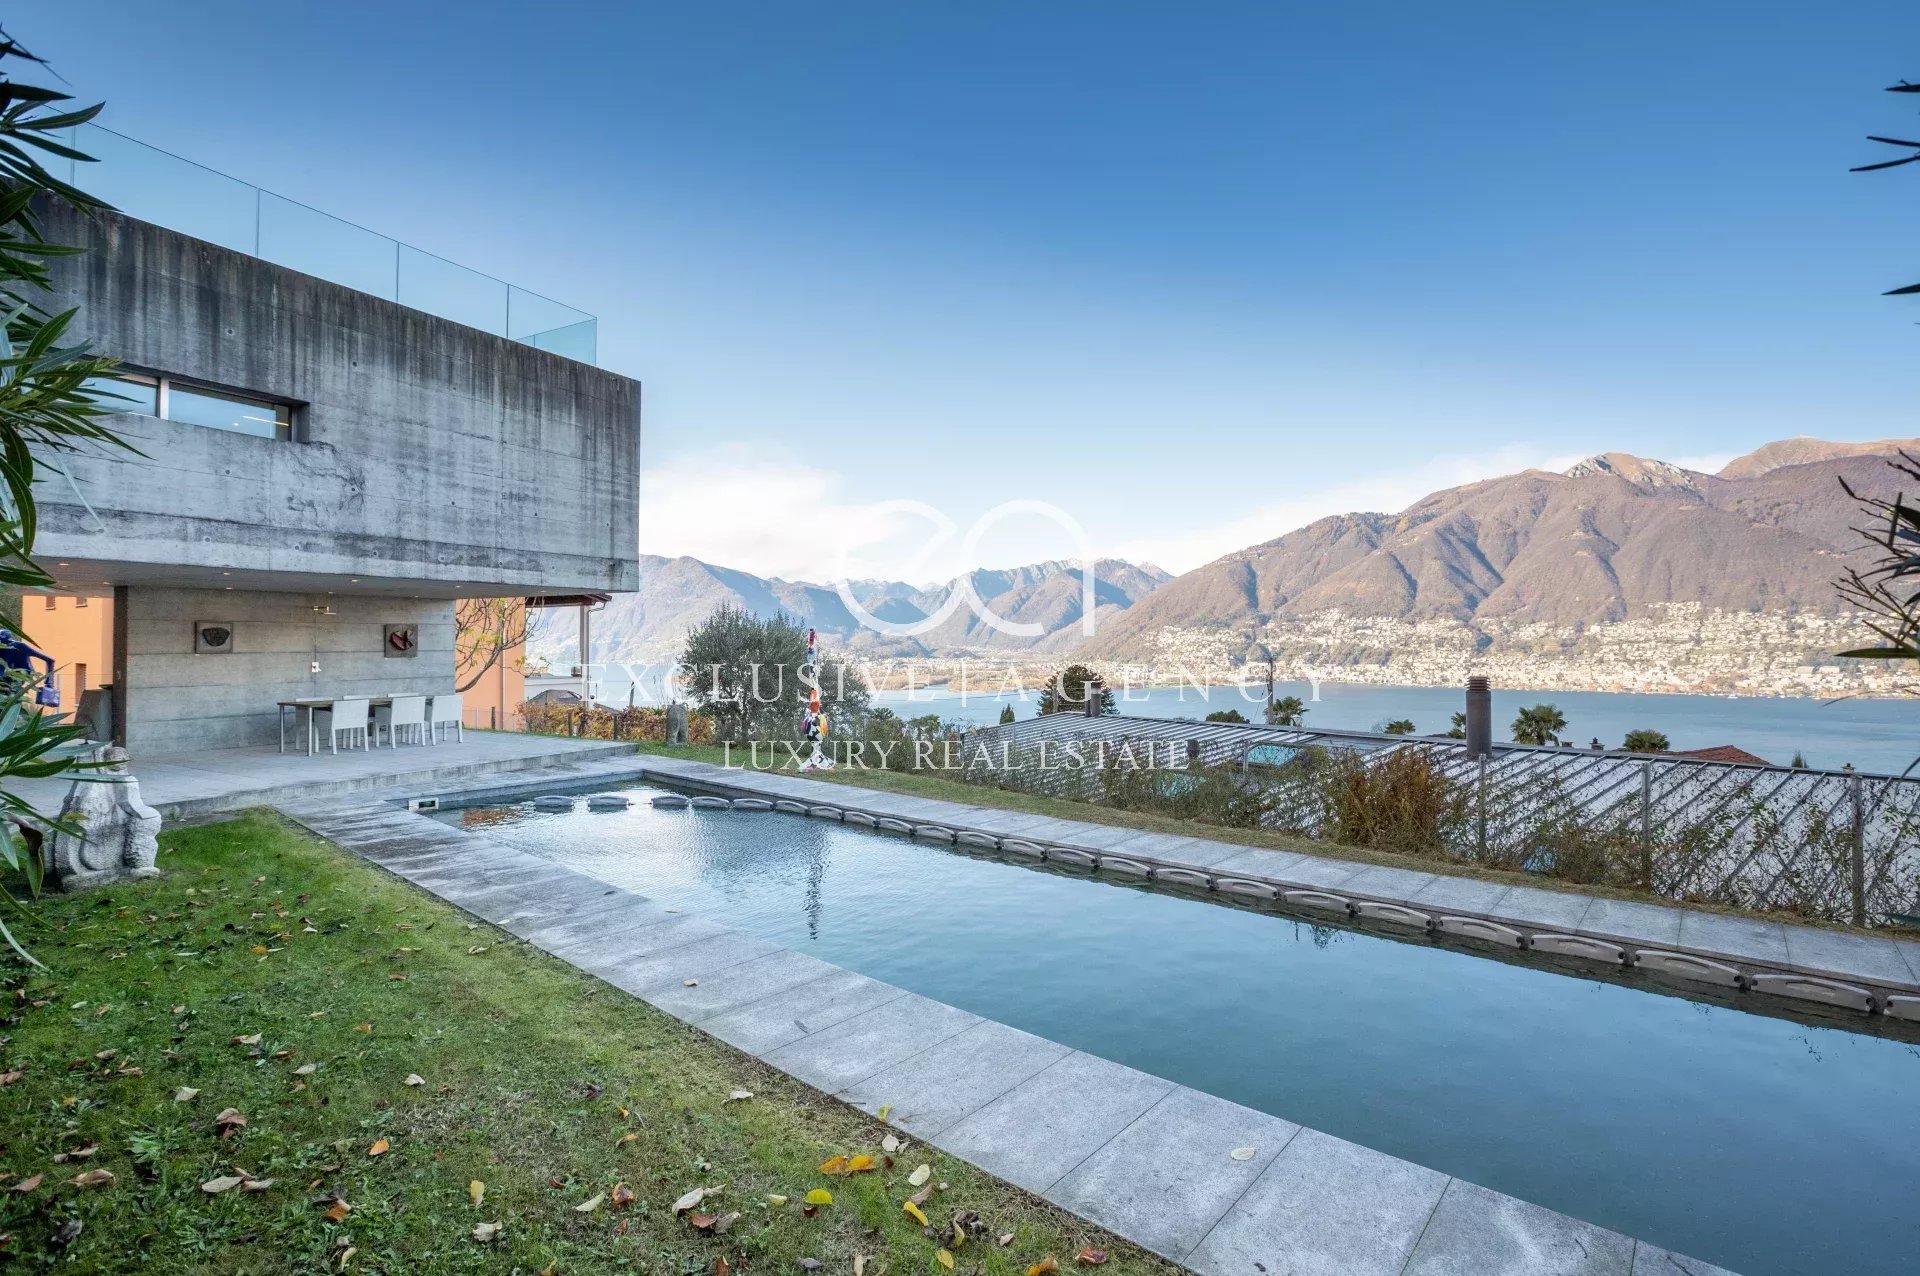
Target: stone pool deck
(1813,965)
(1220,1188)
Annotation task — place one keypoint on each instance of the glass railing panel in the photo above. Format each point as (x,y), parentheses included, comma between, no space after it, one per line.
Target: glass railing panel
(440,287)
(167,190)
(313,242)
(548,325)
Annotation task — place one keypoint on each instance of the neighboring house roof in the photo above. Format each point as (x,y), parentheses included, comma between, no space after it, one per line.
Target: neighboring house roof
(1722,753)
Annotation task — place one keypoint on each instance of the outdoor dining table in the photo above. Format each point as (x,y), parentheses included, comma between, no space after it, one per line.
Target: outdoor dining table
(312,704)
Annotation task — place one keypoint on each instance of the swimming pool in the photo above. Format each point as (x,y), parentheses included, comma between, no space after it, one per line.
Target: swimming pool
(1761,1143)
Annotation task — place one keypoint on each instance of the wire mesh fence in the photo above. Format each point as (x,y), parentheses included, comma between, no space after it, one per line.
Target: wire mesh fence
(1833,845)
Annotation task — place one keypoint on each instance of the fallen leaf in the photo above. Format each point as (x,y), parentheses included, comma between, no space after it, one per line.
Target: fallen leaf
(959,1234)
(476,950)
(379,1148)
(485,1232)
(915,1213)
(622,1196)
(414,1079)
(185,1094)
(859,1265)
(725,1222)
(252,1040)
(739,1096)
(776,1200)
(626,1138)
(1044,1266)
(225,1183)
(834,1165)
(703,1222)
(228,1121)
(1006,1239)
(945,1258)
(886,1110)
(819,1196)
(923,1195)
(693,1198)
(337,1211)
(365,1027)
(890,1144)
(27,1184)
(306,1070)
(476,1192)
(1091,1257)
(920,1175)
(690,983)
(808,1264)
(590,1205)
(93,1178)
(256,1185)
(862,1164)
(721,1267)
(1242,1154)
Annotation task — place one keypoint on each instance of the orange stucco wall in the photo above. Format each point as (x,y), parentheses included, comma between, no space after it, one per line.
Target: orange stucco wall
(77,631)
(497,697)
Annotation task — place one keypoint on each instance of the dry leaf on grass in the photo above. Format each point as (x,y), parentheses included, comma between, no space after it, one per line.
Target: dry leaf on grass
(1044,1266)
(725,1222)
(414,1079)
(306,1070)
(626,1138)
(1091,1257)
(693,1198)
(862,1164)
(819,1196)
(228,1121)
(27,1184)
(485,1232)
(379,1148)
(739,1096)
(1006,1239)
(476,1192)
(92,1178)
(945,1258)
(337,1211)
(834,1165)
(920,1175)
(590,1205)
(622,1196)
(914,1212)
(891,1144)
(225,1183)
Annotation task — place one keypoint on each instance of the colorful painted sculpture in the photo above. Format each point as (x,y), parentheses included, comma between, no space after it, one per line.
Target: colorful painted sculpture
(19,657)
(813,725)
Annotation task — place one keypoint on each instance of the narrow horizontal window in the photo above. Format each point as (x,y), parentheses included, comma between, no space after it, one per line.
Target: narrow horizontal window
(140,395)
(218,410)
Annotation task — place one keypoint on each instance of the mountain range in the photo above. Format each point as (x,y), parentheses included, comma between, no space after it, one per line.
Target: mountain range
(677,593)
(1534,568)
(1612,538)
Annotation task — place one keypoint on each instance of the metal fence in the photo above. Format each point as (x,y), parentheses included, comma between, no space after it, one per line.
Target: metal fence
(1837,845)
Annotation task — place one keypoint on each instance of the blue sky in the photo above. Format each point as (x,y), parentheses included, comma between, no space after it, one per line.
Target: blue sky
(1196,273)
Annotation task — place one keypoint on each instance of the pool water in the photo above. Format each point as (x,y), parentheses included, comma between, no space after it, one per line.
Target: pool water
(1761,1143)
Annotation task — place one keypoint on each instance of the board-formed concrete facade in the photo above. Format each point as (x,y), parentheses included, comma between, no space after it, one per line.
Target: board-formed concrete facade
(425,462)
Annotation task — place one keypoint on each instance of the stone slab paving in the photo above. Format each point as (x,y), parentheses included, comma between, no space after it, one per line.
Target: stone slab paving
(1882,965)
(1221,1188)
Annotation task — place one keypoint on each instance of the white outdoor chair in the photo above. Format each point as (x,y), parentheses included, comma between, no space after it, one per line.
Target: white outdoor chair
(344,717)
(445,712)
(401,713)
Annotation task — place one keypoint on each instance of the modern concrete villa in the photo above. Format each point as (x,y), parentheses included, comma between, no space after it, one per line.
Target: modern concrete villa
(322,473)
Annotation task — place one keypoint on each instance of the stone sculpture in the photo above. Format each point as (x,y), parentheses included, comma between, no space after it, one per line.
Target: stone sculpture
(676,723)
(116,835)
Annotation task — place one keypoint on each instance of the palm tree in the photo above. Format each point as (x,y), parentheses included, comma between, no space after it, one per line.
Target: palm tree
(1646,741)
(1458,731)
(1399,726)
(1286,712)
(1540,724)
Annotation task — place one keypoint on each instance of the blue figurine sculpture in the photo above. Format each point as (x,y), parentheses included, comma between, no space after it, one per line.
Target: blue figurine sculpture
(19,657)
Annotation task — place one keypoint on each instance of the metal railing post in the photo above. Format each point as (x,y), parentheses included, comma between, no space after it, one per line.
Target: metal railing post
(1480,820)
(1646,824)
(1857,838)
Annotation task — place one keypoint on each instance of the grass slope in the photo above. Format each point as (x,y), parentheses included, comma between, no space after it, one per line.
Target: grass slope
(545,1085)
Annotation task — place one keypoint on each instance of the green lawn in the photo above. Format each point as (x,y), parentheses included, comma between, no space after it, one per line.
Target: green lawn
(272,974)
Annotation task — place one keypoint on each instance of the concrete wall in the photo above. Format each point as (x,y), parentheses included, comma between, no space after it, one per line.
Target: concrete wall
(424,451)
(179,701)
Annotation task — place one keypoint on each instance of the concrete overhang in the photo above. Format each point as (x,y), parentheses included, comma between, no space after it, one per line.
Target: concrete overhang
(97,576)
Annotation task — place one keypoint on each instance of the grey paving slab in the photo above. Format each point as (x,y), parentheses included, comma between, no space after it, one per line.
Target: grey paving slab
(1192,850)
(1549,910)
(567,930)
(1633,923)
(674,963)
(931,1090)
(519,908)
(1477,1232)
(1323,874)
(763,1026)
(740,985)
(1845,955)
(1327,1208)
(1033,1135)
(1910,953)
(1382,882)
(856,1048)
(1446,894)
(607,953)
(1258,863)
(1749,938)
(1651,1260)
(1170,1175)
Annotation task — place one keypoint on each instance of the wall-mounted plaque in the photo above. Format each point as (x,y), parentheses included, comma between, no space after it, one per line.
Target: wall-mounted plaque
(403,640)
(212,637)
